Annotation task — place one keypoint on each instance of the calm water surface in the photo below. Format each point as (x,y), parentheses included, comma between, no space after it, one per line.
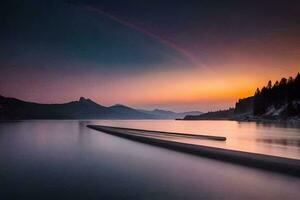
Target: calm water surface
(66,160)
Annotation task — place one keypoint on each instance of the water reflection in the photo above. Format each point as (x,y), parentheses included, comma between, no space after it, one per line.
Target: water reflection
(282,124)
(281,141)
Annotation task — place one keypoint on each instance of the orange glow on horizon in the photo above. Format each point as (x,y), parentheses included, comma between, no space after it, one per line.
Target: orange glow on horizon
(180,89)
(193,86)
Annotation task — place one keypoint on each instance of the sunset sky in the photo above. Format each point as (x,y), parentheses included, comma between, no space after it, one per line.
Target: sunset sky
(178,55)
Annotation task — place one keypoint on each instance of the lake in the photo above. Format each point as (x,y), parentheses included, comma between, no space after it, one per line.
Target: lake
(62,159)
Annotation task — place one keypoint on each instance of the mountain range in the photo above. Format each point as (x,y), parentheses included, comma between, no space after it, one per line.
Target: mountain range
(15,109)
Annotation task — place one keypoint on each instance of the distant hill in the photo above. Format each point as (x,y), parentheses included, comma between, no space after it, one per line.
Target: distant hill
(14,109)
(164,114)
(126,111)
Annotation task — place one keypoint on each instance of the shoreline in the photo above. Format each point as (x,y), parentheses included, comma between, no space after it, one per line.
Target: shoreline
(270,163)
(248,120)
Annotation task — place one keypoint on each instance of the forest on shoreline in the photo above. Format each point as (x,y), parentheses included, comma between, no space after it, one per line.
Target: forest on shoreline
(278,101)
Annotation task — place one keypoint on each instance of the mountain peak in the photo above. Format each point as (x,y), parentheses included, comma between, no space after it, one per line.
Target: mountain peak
(82,99)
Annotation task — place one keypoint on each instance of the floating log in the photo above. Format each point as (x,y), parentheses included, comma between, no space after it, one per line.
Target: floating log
(141,131)
(270,163)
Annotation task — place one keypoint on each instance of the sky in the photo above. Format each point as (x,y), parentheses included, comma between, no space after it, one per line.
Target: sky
(176,55)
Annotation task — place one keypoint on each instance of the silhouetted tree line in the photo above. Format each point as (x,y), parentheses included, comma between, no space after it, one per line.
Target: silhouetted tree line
(283,93)
(220,114)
